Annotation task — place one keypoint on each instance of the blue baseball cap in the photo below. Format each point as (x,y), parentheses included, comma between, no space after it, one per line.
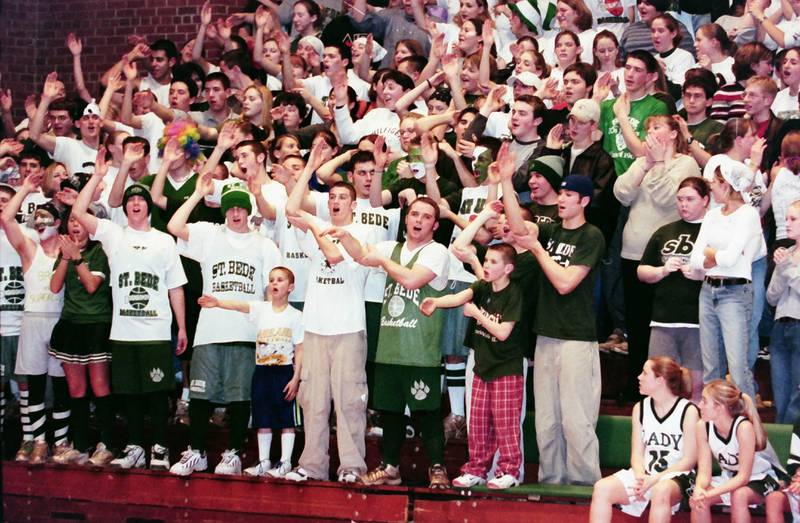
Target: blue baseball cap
(579,184)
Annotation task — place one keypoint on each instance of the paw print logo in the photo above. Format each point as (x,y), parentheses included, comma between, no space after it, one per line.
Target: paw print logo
(156,375)
(419,390)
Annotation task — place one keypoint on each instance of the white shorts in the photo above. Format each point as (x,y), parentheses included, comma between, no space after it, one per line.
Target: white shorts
(34,342)
(636,506)
(794,504)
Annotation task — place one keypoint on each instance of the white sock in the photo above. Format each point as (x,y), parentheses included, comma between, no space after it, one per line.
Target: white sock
(264,444)
(287,446)
(185,394)
(455,373)
(407,412)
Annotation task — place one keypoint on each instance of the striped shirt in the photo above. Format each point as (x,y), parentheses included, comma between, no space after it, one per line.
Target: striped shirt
(728,102)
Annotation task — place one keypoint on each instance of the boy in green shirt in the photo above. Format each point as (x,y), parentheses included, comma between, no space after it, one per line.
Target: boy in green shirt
(498,384)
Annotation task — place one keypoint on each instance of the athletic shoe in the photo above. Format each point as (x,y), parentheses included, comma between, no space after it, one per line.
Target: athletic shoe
(182,412)
(348,476)
(260,469)
(230,465)
(614,339)
(410,432)
(437,475)
(299,474)
(763,353)
(40,453)
(71,456)
(280,470)
(191,461)
(382,475)
(132,458)
(24,452)
(503,482)
(159,457)
(454,427)
(468,481)
(60,449)
(101,456)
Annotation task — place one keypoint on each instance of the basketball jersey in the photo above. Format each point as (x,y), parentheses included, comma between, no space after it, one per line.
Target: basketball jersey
(726,452)
(235,266)
(12,288)
(663,438)
(38,297)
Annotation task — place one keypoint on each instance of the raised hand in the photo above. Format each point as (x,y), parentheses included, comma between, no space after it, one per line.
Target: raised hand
(129,69)
(205,185)
(451,65)
(10,146)
(224,28)
(380,154)
(227,136)
(6,101)
(555,138)
(74,44)
(115,81)
(133,153)
(52,88)
(140,50)
(205,14)
(173,154)
(262,17)
(30,106)
(487,34)
(429,150)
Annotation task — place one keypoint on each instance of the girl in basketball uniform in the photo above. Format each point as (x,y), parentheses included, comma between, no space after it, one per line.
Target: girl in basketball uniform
(732,433)
(663,446)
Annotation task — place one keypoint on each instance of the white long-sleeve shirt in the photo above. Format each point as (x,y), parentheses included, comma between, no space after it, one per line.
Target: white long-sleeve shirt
(736,237)
(377,121)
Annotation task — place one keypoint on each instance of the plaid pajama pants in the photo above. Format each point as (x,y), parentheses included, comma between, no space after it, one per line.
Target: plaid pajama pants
(494,422)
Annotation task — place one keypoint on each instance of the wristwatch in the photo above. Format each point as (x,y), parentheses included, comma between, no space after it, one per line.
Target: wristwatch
(78,261)
(690,140)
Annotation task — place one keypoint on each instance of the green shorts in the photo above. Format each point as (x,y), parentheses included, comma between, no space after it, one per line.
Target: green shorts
(399,385)
(141,367)
(222,372)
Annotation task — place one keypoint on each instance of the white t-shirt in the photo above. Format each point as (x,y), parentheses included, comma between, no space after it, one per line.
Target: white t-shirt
(320,86)
(144,267)
(278,332)
(473,199)
(116,214)
(294,257)
(74,153)
(380,121)
(676,64)
(152,130)
(785,105)
(160,91)
(603,9)
(335,294)
(737,238)
(383,224)
(785,190)
(12,288)
(235,266)
(432,255)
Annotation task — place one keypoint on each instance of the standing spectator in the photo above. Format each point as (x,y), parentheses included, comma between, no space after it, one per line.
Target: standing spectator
(637,35)
(725,248)
(566,379)
(648,188)
(715,52)
(147,280)
(784,294)
(751,59)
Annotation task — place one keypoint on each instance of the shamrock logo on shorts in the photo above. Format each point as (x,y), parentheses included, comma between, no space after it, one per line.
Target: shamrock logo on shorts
(419,390)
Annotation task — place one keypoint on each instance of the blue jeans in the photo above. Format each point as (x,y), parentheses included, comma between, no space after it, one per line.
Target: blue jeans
(784,351)
(759,299)
(725,314)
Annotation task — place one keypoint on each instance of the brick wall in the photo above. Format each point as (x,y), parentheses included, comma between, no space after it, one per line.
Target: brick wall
(33,32)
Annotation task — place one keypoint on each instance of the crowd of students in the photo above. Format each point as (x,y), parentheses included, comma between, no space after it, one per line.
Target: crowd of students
(360,206)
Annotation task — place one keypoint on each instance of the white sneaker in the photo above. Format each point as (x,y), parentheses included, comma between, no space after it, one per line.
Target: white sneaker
(159,457)
(260,469)
(230,465)
(348,476)
(191,461)
(280,470)
(503,482)
(132,458)
(468,481)
(298,474)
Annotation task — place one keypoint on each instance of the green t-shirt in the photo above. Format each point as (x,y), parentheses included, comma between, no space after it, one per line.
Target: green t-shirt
(613,141)
(569,316)
(544,213)
(705,130)
(495,358)
(175,198)
(675,298)
(79,305)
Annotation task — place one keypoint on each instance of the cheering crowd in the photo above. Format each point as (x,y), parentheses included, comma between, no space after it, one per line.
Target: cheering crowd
(362,206)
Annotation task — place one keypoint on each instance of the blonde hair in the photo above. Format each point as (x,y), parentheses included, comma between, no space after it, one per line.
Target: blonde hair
(737,403)
(680,144)
(266,107)
(49,172)
(766,84)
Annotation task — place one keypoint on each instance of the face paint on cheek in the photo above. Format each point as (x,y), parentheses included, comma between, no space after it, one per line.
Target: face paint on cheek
(48,232)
